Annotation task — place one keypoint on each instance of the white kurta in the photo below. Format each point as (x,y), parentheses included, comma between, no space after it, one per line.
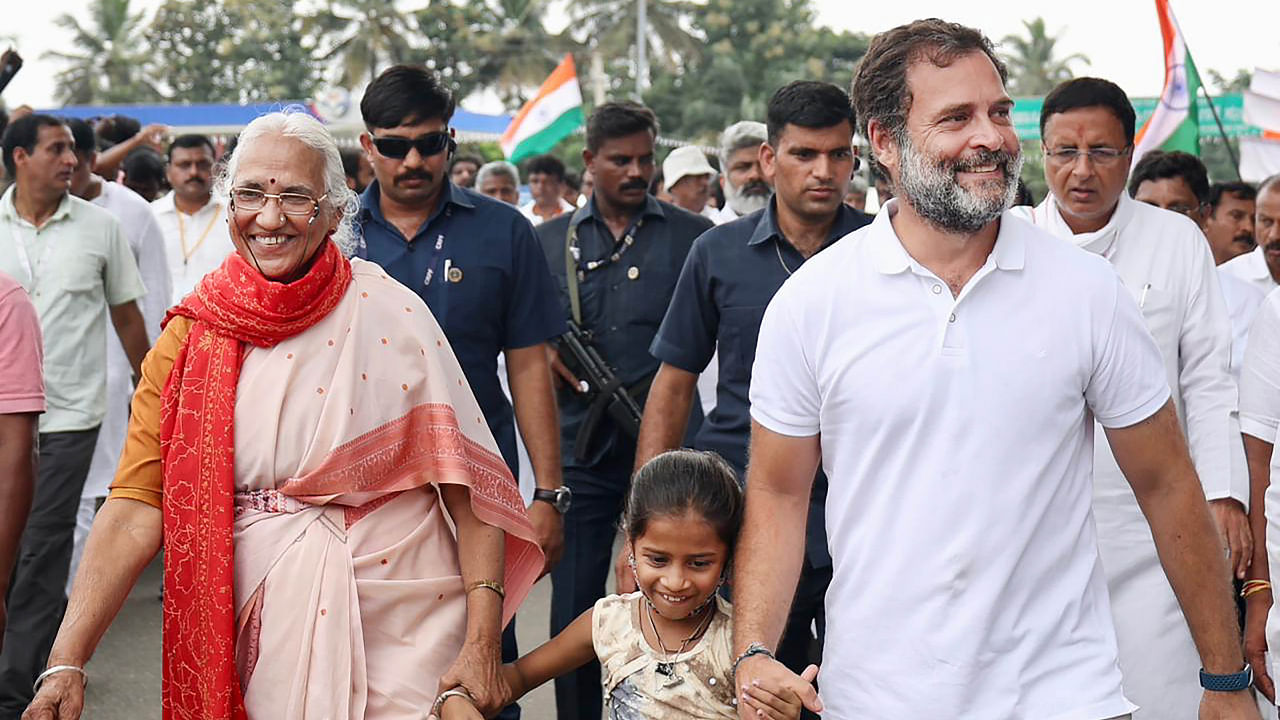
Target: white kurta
(1164,261)
(195,244)
(1243,300)
(1252,268)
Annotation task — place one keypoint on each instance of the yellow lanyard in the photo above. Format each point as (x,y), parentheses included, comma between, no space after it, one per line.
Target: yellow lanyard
(182,236)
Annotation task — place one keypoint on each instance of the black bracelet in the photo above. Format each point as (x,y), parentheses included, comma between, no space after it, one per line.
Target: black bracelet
(755,648)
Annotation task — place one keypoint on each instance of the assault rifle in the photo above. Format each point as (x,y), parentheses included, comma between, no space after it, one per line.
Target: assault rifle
(605,391)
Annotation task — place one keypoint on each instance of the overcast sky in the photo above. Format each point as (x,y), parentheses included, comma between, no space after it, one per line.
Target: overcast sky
(1121,37)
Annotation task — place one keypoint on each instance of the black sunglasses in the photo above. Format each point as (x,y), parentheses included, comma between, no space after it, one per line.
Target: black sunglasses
(432,143)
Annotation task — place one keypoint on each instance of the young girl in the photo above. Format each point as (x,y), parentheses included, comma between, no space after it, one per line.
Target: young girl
(665,651)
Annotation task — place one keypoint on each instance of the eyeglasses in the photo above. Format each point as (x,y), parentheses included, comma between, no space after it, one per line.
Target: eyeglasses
(1100,156)
(397,148)
(253,200)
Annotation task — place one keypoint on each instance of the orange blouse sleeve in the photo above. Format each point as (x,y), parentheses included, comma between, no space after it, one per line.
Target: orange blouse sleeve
(140,475)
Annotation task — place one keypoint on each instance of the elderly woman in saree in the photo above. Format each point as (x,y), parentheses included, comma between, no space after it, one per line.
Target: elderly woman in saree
(342,539)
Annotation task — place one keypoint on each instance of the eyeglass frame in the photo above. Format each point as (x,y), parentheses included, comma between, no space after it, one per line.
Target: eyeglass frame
(450,145)
(1099,156)
(279,198)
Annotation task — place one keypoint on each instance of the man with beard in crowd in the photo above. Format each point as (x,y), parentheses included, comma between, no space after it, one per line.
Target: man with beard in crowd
(731,274)
(745,189)
(1088,126)
(1261,268)
(193,221)
(616,261)
(1179,182)
(945,365)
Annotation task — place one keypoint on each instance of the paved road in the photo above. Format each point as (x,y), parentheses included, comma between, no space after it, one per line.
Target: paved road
(125,672)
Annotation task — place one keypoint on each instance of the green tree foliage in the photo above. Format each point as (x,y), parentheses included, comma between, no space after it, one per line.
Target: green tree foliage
(611,25)
(514,51)
(363,37)
(241,51)
(106,65)
(1034,67)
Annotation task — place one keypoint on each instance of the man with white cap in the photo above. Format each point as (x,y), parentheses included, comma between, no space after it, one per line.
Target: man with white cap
(689,176)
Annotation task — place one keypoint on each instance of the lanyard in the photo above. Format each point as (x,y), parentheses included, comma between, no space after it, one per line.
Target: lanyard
(576,272)
(435,258)
(182,235)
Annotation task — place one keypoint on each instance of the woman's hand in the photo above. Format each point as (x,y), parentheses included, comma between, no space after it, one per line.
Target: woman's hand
(478,669)
(61,697)
(457,708)
(1256,607)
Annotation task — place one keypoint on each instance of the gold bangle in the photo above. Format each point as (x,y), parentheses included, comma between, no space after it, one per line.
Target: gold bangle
(1254,590)
(488,585)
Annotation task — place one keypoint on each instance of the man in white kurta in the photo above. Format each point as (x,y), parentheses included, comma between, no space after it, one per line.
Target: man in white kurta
(1167,268)
(192,220)
(140,229)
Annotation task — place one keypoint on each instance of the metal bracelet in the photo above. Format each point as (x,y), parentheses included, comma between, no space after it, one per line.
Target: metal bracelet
(755,648)
(452,692)
(84,677)
(488,585)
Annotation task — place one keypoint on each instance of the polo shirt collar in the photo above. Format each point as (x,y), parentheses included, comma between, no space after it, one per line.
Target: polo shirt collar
(1256,266)
(371,200)
(891,258)
(767,228)
(651,208)
(9,211)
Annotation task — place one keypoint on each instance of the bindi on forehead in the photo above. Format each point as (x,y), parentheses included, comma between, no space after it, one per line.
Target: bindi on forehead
(273,181)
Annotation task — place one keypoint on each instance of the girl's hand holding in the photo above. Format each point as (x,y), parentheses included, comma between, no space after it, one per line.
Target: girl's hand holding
(780,703)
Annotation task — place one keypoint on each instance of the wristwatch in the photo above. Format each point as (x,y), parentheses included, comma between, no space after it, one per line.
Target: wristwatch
(1227,683)
(560,498)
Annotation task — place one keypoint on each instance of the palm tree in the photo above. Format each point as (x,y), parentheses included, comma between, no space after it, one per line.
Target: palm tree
(1033,68)
(364,35)
(108,65)
(612,24)
(515,52)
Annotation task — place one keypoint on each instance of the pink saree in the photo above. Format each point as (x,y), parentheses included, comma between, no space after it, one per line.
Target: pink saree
(349,602)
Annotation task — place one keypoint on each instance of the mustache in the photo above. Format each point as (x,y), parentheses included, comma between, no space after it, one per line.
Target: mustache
(634,185)
(1245,239)
(999,158)
(424,175)
(757,188)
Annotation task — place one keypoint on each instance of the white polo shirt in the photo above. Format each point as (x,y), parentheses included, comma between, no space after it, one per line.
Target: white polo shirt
(957,434)
(195,245)
(73,266)
(1252,268)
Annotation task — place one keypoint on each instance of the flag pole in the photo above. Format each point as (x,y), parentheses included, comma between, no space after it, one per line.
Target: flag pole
(1235,162)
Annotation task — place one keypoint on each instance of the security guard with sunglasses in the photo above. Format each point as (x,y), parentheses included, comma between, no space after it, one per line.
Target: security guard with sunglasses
(478,266)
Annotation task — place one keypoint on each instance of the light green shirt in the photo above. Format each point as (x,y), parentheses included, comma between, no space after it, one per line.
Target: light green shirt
(72,266)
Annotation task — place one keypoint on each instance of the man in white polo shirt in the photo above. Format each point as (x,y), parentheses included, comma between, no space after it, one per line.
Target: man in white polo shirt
(946,364)
(193,221)
(74,262)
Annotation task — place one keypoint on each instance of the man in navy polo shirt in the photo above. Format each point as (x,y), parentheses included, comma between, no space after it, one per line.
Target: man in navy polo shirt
(627,249)
(477,264)
(732,272)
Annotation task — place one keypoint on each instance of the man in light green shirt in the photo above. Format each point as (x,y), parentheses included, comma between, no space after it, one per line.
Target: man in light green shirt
(72,259)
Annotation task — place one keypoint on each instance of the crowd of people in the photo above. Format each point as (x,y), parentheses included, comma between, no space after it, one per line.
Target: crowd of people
(968,457)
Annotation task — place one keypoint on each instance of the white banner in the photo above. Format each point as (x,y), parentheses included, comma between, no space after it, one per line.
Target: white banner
(1259,158)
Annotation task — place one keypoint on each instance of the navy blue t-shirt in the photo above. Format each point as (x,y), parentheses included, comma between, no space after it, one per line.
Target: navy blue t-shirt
(732,273)
(490,288)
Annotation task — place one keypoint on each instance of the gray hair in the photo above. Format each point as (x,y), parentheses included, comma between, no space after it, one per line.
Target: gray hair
(497,167)
(1267,184)
(297,123)
(742,134)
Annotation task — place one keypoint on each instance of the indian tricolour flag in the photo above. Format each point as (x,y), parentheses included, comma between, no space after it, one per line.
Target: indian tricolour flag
(553,114)
(1174,125)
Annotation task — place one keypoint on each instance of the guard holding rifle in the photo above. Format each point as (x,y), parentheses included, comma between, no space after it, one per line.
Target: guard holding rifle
(616,261)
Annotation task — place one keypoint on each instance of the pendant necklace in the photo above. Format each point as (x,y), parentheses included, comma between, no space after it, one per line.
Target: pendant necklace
(777,245)
(667,666)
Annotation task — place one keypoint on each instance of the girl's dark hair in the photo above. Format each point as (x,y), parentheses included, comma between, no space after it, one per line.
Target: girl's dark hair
(678,481)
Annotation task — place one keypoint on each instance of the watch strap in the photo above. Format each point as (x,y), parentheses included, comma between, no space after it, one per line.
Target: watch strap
(545,495)
(1233,682)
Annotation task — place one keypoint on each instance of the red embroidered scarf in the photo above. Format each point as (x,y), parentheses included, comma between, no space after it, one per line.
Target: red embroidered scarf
(231,307)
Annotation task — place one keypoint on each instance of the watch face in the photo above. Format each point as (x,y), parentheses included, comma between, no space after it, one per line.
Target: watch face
(564,497)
